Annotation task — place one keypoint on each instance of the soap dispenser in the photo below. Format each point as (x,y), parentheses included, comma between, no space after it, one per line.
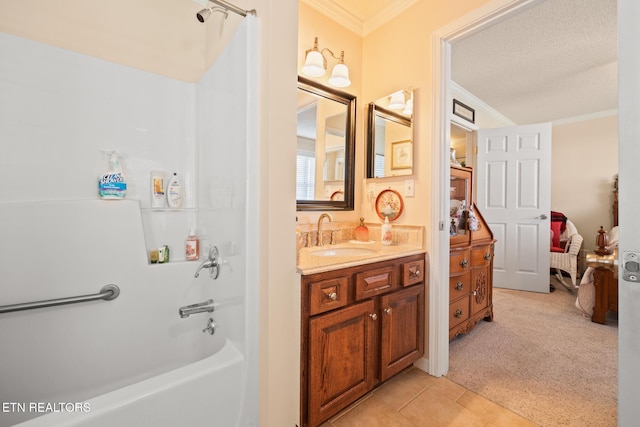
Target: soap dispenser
(386,233)
(362,232)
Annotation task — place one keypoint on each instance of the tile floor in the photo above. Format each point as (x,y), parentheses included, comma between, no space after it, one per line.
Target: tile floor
(416,399)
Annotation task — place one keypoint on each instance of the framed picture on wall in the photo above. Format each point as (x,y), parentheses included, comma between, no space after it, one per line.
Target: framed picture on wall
(402,154)
(464,111)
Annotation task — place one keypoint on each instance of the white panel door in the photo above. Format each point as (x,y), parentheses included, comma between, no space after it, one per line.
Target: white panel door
(514,194)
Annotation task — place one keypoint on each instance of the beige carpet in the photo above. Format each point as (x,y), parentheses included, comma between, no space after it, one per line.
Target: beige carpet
(541,359)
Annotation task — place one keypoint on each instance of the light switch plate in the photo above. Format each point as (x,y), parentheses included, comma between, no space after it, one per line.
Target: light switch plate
(409,188)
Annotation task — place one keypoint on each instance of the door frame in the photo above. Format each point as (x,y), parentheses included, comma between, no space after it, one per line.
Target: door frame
(492,12)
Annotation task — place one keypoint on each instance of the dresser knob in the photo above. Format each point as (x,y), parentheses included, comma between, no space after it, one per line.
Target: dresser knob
(458,313)
(333,296)
(459,286)
(464,263)
(387,311)
(415,273)
(373,316)
(487,256)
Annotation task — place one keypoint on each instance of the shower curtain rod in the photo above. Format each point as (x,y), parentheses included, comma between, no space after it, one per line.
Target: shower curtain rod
(233,8)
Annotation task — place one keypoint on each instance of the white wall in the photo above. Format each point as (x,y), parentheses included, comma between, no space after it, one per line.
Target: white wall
(584,162)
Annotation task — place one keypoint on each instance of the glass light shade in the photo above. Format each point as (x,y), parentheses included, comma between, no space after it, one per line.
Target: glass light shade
(408,109)
(397,101)
(314,64)
(340,76)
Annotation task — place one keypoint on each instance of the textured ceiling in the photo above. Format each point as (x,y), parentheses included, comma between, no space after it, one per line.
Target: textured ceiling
(554,61)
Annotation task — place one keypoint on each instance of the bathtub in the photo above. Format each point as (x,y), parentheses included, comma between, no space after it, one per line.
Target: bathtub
(130,361)
(205,393)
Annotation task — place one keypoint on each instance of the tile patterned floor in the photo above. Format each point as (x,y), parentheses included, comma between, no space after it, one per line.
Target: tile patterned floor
(416,399)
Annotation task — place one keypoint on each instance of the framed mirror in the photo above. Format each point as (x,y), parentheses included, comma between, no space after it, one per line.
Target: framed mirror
(389,139)
(325,157)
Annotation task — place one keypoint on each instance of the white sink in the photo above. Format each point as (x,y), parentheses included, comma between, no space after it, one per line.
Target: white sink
(343,252)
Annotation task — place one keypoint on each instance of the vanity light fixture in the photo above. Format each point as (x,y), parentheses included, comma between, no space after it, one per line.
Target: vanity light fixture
(408,108)
(396,100)
(315,65)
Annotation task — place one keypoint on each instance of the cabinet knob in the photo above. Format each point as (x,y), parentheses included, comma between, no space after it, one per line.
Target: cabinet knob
(458,313)
(333,296)
(373,316)
(487,256)
(464,263)
(459,286)
(414,274)
(387,311)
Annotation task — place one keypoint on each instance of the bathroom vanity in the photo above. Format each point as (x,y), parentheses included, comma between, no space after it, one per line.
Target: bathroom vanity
(361,323)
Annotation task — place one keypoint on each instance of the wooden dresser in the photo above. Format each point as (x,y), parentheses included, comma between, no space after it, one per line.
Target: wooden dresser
(470,260)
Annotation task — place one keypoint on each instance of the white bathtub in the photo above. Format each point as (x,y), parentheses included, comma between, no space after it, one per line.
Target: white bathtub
(205,393)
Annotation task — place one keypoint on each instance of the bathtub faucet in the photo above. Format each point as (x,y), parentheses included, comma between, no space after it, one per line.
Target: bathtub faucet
(211,263)
(203,307)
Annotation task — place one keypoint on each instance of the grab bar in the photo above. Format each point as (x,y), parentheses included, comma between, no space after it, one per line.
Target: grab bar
(107,293)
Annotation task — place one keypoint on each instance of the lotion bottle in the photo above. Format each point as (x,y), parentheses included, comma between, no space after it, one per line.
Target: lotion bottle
(386,233)
(175,192)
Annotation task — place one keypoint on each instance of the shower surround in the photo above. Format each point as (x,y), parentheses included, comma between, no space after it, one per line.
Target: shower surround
(126,360)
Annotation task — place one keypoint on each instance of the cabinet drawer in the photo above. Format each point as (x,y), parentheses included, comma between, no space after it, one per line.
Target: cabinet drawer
(376,282)
(459,286)
(412,273)
(328,294)
(481,256)
(458,311)
(459,262)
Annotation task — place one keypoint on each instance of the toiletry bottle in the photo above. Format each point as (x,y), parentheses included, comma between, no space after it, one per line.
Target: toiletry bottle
(362,232)
(192,246)
(205,244)
(157,189)
(175,192)
(385,232)
(112,185)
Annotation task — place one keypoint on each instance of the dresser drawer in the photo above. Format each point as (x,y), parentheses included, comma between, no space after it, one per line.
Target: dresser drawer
(412,273)
(328,294)
(459,286)
(481,256)
(376,282)
(459,262)
(458,311)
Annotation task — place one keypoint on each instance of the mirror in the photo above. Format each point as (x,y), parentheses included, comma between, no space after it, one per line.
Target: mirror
(325,160)
(390,137)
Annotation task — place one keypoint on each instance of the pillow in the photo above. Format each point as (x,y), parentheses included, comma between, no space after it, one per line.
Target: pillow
(555,230)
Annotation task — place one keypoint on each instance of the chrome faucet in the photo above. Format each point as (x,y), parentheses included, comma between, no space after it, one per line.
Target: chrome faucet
(203,307)
(211,263)
(323,216)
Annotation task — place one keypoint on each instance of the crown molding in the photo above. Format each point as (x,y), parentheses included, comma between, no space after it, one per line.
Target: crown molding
(333,10)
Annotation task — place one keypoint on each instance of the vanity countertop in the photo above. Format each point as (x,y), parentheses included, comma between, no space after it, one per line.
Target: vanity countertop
(308,263)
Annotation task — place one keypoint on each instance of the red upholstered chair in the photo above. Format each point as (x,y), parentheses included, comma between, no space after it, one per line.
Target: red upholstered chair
(564,259)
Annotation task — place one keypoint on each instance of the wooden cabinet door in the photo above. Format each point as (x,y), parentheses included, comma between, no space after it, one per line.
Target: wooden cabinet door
(342,359)
(481,278)
(402,335)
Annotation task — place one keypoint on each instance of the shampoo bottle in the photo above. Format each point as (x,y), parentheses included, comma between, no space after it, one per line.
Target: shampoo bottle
(386,233)
(157,189)
(175,192)
(112,185)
